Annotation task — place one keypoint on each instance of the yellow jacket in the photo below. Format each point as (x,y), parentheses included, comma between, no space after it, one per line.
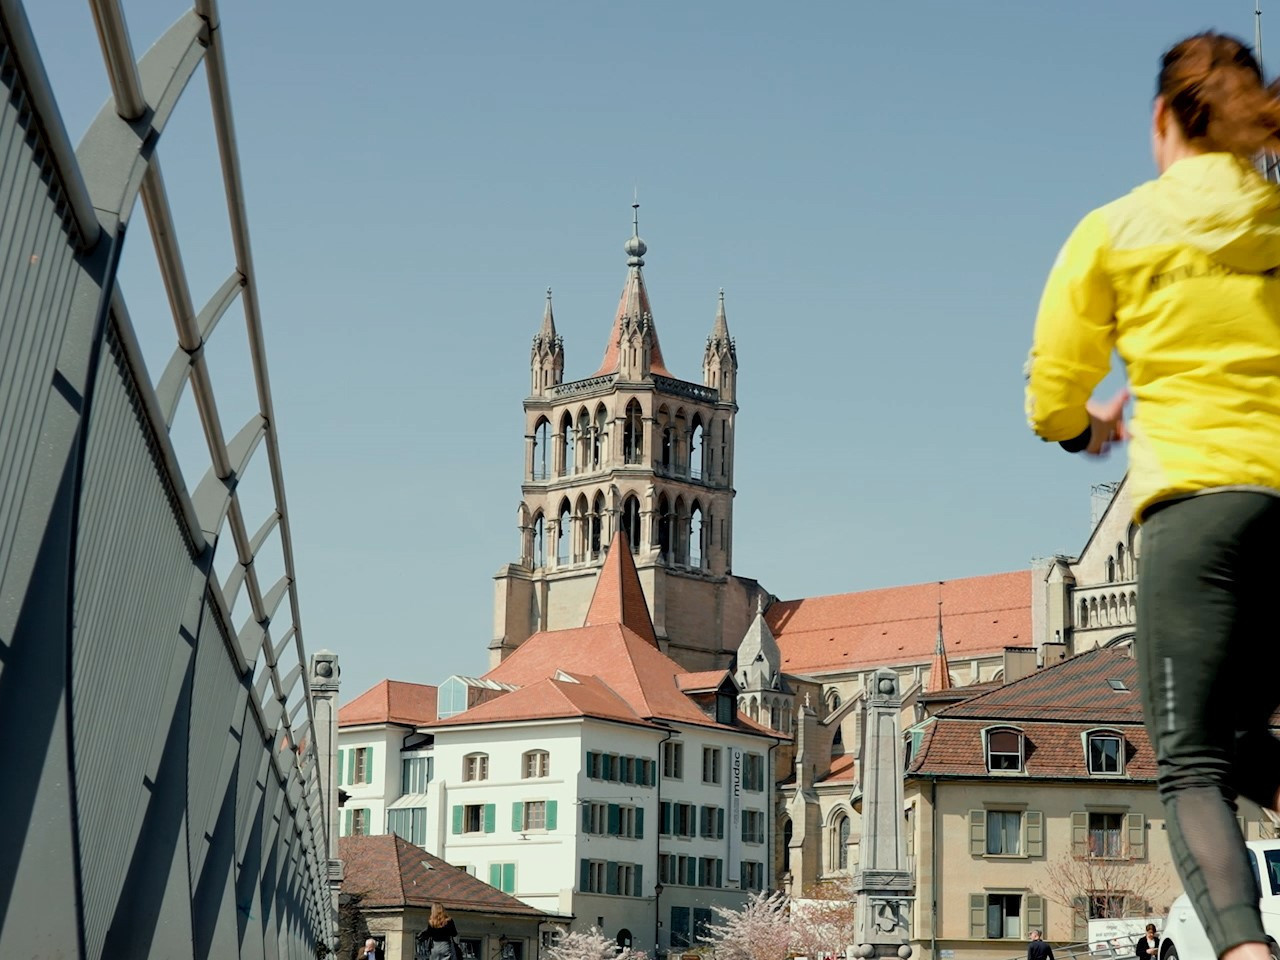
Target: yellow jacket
(1181,277)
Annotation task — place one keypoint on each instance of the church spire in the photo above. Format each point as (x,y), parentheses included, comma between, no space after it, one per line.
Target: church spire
(619,597)
(720,359)
(546,360)
(939,670)
(633,351)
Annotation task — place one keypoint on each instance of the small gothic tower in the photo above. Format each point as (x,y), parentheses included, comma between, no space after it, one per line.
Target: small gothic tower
(547,360)
(720,359)
(633,449)
(763,692)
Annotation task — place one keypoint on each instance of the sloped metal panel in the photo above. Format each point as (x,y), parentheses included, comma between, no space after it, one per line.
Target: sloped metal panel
(134,583)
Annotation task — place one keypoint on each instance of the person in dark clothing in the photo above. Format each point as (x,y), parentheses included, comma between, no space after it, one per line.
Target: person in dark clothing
(1148,947)
(440,940)
(1037,949)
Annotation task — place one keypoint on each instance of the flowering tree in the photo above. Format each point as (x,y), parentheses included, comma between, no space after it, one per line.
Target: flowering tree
(824,922)
(592,945)
(761,930)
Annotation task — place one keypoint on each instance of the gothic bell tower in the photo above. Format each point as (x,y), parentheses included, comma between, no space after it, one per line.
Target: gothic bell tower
(631,448)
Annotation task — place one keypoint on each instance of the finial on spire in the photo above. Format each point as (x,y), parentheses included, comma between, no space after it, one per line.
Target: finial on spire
(635,248)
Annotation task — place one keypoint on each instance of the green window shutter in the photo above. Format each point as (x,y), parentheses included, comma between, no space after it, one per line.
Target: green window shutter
(664,818)
(978,916)
(720,823)
(584,876)
(614,818)
(508,878)
(1035,912)
(1034,821)
(351,765)
(702,872)
(611,877)
(978,839)
(1079,834)
(495,875)
(639,823)
(457,818)
(1079,919)
(517,817)
(342,759)
(1136,828)
(586,817)
(368,765)
(719,873)
(638,881)
(490,815)
(551,814)
(347,830)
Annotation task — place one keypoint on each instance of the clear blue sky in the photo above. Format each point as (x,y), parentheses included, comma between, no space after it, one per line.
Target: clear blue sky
(879,187)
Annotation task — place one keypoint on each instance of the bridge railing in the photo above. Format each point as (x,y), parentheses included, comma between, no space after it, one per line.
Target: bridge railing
(164,792)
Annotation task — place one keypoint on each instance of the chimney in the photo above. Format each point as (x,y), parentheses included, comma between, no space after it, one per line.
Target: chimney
(1019,662)
(1053,653)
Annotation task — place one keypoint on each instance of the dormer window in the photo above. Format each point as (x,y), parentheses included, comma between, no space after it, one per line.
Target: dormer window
(1004,751)
(726,708)
(1105,752)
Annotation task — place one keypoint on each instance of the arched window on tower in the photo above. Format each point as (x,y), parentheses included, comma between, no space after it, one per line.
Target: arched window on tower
(681,538)
(539,541)
(633,436)
(697,452)
(631,522)
(1084,614)
(668,446)
(568,447)
(724,449)
(597,525)
(664,528)
(1111,570)
(697,538)
(1120,565)
(541,450)
(598,436)
(840,830)
(563,533)
(584,440)
(581,528)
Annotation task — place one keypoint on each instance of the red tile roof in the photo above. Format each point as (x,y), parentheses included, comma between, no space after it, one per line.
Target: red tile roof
(618,596)
(702,681)
(1052,708)
(634,302)
(842,769)
(390,872)
(980,615)
(391,701)
(549,699)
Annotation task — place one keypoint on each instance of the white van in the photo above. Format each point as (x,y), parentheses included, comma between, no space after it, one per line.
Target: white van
(1184,938)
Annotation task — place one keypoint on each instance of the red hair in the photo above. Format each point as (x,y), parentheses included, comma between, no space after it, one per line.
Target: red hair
(1214,87)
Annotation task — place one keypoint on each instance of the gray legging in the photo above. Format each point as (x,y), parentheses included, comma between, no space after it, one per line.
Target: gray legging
(1207,655)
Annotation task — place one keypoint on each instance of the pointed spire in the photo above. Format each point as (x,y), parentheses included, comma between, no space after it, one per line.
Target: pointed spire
(759,659)
(939,670)
(619,597)
(634,318)
(548,331)
(720,329)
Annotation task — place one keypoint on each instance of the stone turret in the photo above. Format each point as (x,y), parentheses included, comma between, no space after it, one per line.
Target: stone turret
(720,359)
(546,363)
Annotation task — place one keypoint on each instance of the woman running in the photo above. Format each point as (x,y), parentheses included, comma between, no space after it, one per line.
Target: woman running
(1182,278)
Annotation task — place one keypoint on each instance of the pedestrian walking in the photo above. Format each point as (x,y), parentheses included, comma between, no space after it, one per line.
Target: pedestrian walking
(1037,948)
(1182,278)
(1148,946)
(439,941)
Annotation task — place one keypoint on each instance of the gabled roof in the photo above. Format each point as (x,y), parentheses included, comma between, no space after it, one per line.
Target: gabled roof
(702,682)
(634,303)
(391,701)
(981,615)
(1078,690)
(561,696)
(387,871)
(619,597)
(1052,708)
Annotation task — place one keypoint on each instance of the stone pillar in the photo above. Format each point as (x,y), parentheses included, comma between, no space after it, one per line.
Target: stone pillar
(883,886)
(529,466)
(323,680)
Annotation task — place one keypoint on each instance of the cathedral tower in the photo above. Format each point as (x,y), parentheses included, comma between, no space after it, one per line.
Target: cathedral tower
(631,448)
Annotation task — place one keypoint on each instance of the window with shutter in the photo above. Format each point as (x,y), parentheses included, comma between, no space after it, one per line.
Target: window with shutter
(639,823)
(1136,828)
(517,817)
(495,875)
(508,878)
(551,814)
(637,880)
(490,817)
(613,819)
(977,915)
(1035,912)
(1080,833)
(457,818)
(611,877)
(1034,820)
(978,833)
(584,876)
